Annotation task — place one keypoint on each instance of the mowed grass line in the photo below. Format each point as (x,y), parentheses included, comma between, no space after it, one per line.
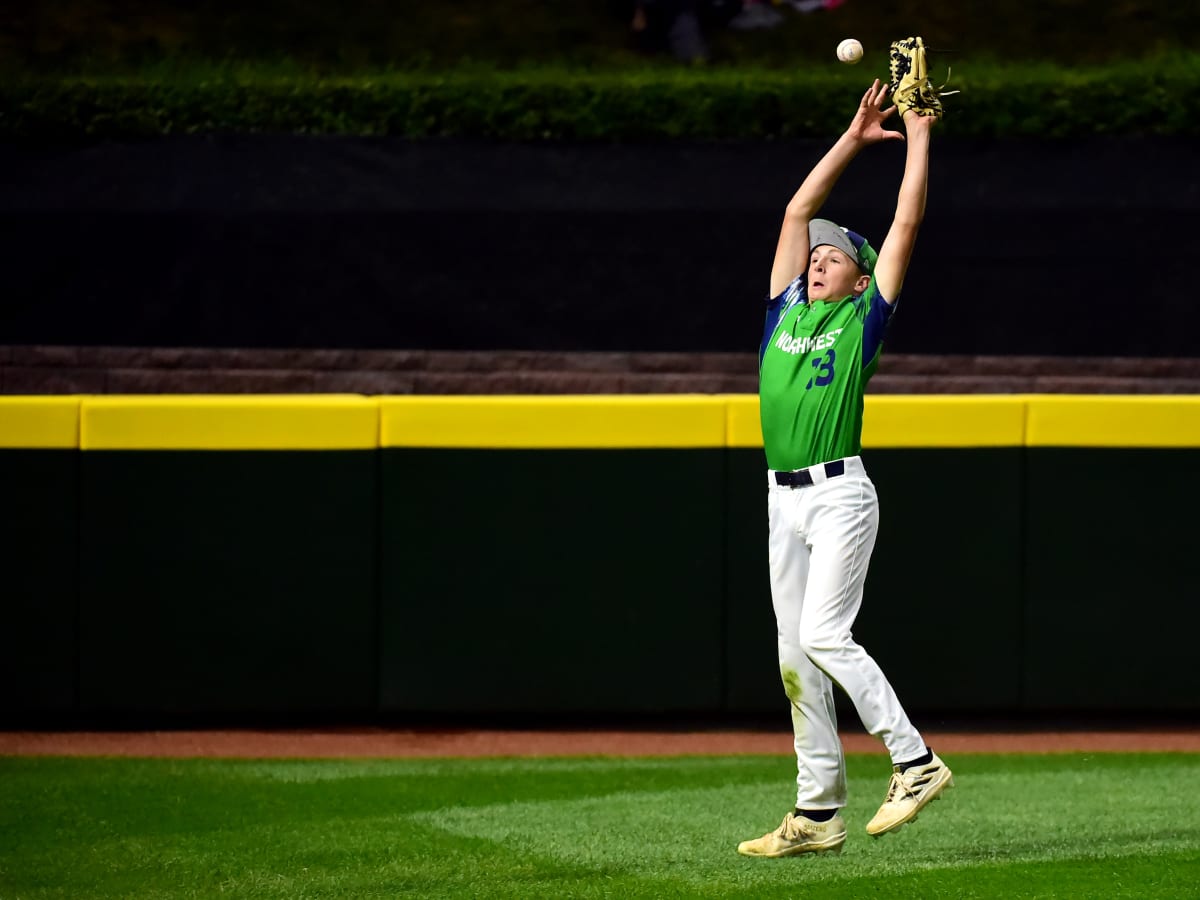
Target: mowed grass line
(1070,825)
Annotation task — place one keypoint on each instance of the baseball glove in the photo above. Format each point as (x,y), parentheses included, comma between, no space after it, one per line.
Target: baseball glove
(911,87)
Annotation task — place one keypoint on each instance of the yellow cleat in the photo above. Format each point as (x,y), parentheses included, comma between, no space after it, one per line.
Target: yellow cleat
(908,794)
(798,835)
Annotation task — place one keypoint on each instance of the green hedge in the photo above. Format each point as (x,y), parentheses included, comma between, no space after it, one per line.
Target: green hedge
(1130,98)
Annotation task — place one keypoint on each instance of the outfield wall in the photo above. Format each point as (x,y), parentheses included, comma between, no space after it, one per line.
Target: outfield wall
(365,557)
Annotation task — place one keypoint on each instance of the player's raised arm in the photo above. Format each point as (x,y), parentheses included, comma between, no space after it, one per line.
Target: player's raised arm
(791,254)
(897,249)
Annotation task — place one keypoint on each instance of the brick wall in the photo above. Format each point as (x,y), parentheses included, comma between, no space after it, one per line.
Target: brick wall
(134,370)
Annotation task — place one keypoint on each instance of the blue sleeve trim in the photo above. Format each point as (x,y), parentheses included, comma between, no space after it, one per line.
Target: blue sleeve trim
(777,306)
(878,315)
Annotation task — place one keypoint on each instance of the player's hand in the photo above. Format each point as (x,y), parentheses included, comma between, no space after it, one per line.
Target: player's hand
(914,121)
(867,124)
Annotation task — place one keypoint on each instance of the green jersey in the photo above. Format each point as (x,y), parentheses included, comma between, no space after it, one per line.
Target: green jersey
(814,364)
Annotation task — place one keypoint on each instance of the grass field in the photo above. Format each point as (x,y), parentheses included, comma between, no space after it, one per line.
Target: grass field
(1070,825)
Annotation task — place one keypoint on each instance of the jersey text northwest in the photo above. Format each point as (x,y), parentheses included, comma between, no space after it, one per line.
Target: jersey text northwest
(789,344)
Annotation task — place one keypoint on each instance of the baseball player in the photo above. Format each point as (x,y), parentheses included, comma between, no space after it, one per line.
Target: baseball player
(831,296)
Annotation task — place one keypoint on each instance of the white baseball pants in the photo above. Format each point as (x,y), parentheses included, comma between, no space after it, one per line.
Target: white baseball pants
(821,538)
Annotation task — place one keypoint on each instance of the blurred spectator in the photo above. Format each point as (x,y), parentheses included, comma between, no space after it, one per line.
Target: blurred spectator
(811,6)
(756,14)
(679,24)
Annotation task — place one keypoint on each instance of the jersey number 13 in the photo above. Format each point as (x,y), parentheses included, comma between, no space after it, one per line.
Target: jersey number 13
(824,373)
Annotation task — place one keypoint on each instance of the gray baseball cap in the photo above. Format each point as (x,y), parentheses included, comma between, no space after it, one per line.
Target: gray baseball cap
(822,231)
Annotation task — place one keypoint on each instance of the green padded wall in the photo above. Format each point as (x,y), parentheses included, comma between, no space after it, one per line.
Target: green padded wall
(39,591)
(228,582)
(940,611)
(325,573)
(1112,600)
(551,580)
(751,659)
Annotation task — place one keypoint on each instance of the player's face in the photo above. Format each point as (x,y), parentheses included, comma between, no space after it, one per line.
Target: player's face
(832,275)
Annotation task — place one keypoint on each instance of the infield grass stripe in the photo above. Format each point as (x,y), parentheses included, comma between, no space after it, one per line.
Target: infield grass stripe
(1067,825)
(1030,820)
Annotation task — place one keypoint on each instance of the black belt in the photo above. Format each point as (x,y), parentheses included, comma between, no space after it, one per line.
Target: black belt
(802,478)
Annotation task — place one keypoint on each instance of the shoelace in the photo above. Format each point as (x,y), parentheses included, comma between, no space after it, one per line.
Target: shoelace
(897,788)
(931,94)
(942,93)
(791,828)
(898,783)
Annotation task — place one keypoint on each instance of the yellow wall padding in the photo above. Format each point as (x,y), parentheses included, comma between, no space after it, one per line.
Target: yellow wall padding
(910,421)
(1059,420)
(556,421)
(977,420)
(354,422)
(39,422)
(225,422)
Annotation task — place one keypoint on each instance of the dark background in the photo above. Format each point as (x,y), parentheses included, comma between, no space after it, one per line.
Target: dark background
(91,35)
(1056,248)
(162,587)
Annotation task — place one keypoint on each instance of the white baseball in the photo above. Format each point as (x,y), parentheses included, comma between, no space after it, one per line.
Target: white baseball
(850,51)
